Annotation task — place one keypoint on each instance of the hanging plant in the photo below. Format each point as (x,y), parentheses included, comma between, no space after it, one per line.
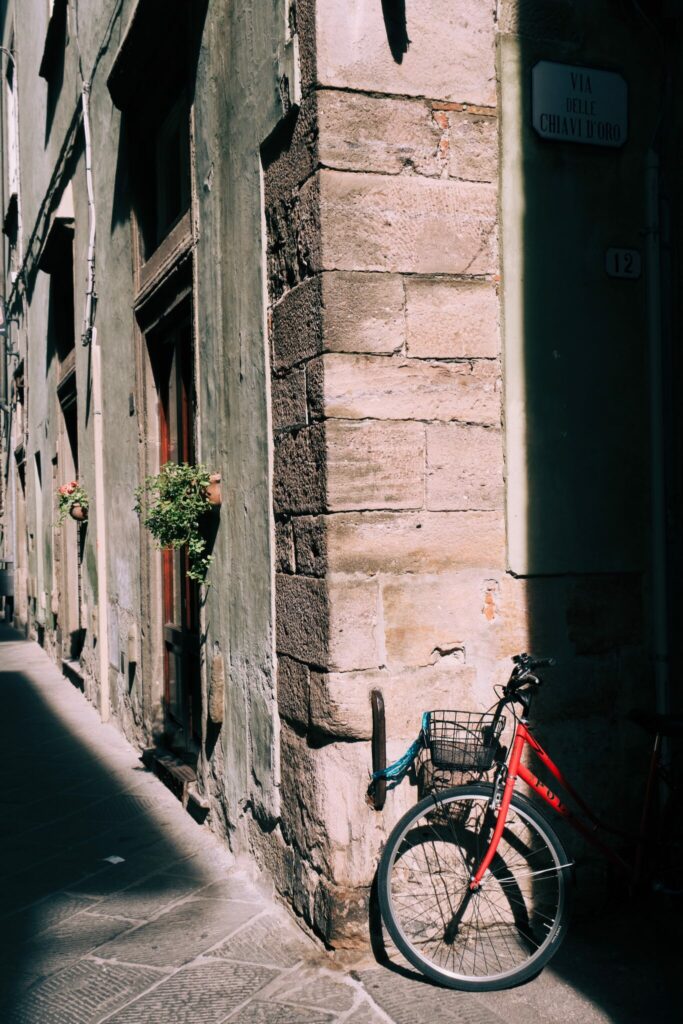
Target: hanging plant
(73,501)
(171,506)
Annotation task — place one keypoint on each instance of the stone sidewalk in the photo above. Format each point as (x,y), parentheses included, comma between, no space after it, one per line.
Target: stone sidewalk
(117,907)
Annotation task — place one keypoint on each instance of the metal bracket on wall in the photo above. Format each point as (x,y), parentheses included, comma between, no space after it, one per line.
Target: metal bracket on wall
(379,748)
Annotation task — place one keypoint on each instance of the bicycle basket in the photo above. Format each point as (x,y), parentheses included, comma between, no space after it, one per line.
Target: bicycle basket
(463,740)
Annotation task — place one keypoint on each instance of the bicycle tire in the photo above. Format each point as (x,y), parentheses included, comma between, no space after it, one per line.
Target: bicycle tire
(497,937)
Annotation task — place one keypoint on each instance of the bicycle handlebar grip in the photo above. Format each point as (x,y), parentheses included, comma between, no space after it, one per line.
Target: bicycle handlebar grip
(543,662)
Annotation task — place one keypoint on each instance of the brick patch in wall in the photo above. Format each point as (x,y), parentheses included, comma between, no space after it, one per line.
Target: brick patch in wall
(485,611)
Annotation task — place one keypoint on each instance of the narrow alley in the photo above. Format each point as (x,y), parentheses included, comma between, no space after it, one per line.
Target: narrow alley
(118,907)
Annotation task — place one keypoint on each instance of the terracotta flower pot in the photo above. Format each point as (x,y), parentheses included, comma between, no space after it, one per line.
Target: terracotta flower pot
(78,513)
(213,491)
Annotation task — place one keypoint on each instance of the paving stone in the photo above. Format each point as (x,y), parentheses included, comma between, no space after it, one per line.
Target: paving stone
(107,879)
(122,807)
(27,886)
(180,934)
(314,987)
(82,994)
(268,940)
(47,913)
(67,942)
(259,1012)
(201,994)
(366,1014)
(236,887)
(408,1000)
(149,897)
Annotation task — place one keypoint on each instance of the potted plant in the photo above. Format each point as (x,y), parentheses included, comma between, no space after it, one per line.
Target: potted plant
(73,501)
(171,506)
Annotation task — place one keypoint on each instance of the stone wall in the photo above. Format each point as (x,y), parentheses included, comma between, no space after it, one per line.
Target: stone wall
(386,388)
(382,210)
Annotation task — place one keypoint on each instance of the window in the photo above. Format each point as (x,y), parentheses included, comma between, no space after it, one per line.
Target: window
(152,82)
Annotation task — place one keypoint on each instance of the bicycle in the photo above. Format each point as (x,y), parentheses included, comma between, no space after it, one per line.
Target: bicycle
(474,884)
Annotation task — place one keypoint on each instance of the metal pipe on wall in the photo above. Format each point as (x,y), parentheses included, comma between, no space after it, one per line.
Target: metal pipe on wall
(90,338)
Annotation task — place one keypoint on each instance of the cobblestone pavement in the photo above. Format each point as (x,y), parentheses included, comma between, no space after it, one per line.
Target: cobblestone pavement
(117,907)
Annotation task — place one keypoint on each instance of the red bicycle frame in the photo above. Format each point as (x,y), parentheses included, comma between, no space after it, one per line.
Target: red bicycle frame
(518,770)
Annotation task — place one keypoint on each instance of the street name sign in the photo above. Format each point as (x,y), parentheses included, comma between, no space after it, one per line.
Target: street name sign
(577,104)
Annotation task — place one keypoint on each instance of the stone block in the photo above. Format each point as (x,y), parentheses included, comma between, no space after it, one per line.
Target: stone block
(483,612)
(289,400)
(299,471)
(374,465)
(363,312)
(293,683)
(290,154)
(472,147)
(302,618)
(293,238)
(385,135)
(284,546)
(353,624)
(324,809)
(310,544)
(297,325)
(340,701)
(404,223)
(451,319)
(464,467)
(396,542)
(331,625)
(375,387)
(448,51)
(341,915)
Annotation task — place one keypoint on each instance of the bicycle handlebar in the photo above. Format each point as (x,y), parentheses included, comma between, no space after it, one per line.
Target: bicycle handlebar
(529,662)
(522,678)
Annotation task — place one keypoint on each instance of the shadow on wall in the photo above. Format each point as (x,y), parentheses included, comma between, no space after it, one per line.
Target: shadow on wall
(394,13)
(576,364)
(64,815)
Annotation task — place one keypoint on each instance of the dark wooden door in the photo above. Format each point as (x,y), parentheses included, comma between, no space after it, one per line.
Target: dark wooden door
(179,593)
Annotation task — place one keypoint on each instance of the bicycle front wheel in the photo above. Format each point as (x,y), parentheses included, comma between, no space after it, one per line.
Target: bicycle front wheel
(498,936)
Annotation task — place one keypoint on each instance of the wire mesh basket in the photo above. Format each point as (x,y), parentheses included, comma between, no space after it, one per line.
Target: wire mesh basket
(463,740)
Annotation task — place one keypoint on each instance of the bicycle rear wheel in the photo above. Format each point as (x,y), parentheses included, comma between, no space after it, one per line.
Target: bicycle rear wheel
(496,937)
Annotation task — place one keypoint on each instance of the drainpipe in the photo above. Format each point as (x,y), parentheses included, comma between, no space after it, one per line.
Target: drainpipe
(89,337)
(658,547)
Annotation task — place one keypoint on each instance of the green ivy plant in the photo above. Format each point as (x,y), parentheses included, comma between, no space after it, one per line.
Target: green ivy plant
(171,505)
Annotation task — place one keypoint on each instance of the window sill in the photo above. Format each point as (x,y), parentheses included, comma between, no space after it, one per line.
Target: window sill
(167,254)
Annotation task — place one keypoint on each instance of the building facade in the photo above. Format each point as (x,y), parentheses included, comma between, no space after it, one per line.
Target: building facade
(356,259)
